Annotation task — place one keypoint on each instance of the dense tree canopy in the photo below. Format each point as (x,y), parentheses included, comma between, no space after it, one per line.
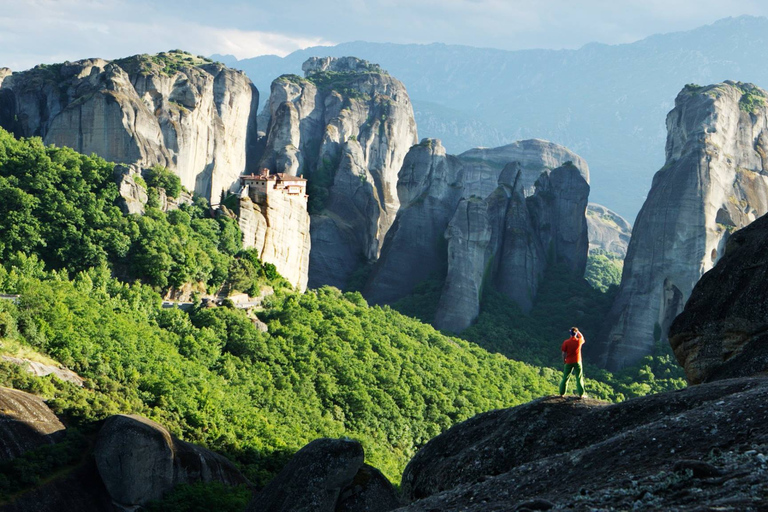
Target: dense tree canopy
(61,206)
(330,365)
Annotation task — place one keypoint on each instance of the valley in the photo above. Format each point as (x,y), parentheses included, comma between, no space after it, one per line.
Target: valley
(361,302)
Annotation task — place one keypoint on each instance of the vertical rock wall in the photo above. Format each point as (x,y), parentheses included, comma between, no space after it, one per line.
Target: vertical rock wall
(196,117)
(715,181)
(346,127)
(468,218)
(278,228)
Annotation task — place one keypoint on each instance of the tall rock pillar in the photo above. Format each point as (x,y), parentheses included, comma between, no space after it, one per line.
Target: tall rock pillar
(714,181)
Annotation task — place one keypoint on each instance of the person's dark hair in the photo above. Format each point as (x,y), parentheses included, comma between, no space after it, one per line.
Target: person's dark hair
(574,330)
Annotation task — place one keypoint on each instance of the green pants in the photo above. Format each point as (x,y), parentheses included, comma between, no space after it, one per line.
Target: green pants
(577,372)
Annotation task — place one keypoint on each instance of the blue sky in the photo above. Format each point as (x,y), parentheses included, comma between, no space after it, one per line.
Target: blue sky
(47,31)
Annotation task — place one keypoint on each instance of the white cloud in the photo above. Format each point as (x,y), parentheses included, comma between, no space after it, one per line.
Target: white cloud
(46,31)
(34,31)
(244,43)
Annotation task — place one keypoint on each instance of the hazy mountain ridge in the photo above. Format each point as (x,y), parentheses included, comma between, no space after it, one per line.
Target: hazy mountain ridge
(606,103)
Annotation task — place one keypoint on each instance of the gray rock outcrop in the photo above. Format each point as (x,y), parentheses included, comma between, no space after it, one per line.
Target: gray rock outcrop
(370,491)
(327,475)
(346,127)
(469,235)
(714,182)
(478,219)
(608,231)
(722,333)
(139,461)
(194,116)
(39,369)
(133,196)
(278,228)
(429,186)
(25,423)
(534,155)
(591,455)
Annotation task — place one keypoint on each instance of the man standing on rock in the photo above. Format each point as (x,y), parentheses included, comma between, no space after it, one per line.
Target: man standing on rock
(572,362)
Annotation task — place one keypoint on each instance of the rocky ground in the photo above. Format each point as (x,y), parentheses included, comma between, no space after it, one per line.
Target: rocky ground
(703,448)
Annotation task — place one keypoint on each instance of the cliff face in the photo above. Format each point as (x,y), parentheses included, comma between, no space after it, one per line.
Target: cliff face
(346,127)
(278,228)
(721,332)
(469,218)
(608,231)
(429,188)
(193,116)
(715,181)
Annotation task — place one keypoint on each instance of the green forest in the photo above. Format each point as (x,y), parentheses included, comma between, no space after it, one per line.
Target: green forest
(90,281)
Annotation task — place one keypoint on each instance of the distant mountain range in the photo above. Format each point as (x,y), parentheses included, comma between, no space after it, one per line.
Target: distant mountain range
(606,103)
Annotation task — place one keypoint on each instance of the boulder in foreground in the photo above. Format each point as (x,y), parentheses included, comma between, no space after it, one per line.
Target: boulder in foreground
(723,330)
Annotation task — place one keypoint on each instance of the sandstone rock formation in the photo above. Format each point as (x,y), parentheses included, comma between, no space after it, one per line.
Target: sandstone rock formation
(429,188)
(721,333)
(715,180)
(327,475)
(703,446)
(608,231)
(346,127)
(479,218)
(276,224)
(191,115)
(139,461)
(25,423)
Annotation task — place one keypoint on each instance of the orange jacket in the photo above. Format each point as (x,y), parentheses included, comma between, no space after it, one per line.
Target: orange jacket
(572,348)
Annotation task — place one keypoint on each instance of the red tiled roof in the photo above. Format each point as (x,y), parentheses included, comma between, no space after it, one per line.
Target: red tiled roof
(280,176)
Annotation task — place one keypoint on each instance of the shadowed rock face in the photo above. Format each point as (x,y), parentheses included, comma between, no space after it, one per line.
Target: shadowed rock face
(429,186)
(327,475)
(346,128)
(714,182)
(722,333)
(370,491)
(80,489)
(480,220)
(585,454)
(25,423)
(195,117)
(139,461)
(608,231)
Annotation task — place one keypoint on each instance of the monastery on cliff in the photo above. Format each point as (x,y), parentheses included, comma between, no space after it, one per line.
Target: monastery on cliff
(260,187)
